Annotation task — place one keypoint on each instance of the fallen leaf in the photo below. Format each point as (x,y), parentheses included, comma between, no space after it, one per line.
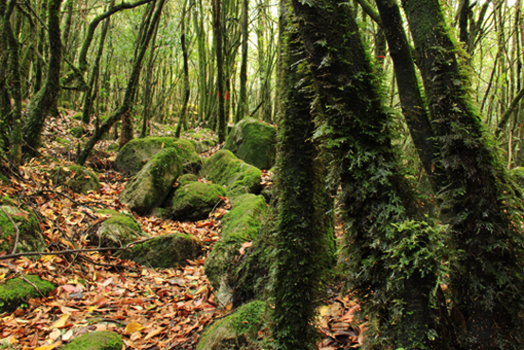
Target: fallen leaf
(133,327)
(61,322)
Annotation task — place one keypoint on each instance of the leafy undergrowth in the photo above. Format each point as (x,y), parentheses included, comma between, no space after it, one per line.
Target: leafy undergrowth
(150,308)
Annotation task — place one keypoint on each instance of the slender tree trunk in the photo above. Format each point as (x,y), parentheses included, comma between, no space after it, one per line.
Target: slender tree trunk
(182,121)
(242,100)
(487,283)
(45,100)
(217,33)
(5,98)
(91,93)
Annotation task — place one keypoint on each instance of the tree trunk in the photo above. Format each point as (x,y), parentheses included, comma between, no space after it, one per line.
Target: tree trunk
(487,283)
(242,100)
(302,252)
(182,121)
(45,100)
(378,204)
(217,32)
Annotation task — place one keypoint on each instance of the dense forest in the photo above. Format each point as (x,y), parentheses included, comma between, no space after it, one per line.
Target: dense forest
(398,176)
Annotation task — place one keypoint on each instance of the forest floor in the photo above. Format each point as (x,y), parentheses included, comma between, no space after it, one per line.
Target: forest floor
(150,308)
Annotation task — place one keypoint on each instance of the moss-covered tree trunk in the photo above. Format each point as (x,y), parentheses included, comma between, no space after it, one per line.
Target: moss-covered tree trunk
(391,249)
(16,139)
(243,105)
(217,33)
(187,89)
(301,236)
(45,100)
(5,98)
(487,282)
(130,93)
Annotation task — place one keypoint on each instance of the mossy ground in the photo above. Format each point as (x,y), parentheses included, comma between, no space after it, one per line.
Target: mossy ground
(29,238)
(17,291)
(237,331)
(100,340)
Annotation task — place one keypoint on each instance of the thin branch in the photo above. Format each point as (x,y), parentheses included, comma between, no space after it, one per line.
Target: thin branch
(71,251)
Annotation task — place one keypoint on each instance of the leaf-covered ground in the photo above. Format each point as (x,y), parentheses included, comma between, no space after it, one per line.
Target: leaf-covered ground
(150,308)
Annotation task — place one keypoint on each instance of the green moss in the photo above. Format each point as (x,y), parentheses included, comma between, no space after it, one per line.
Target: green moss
(100,340)
(29,238)
(165,251)
(136,153)
(187,178)
(117,230)
(148,189)
(62,141)
(239,225)
(195,200)
(254,142)
(17,291)
(77,116)
(77,132)
(4,179)
(236,331)
(225,169)
(112,147)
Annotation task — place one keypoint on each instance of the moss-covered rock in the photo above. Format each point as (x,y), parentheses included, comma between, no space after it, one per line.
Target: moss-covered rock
(187,178)
(77,178)
(117,230)
(165,251)
(136,153)
(194,200)
(253,142)
(238,331)
(29,237)
(100,340)
(225,169)
(241,224)
(112,147)
(17,291)
(149,187)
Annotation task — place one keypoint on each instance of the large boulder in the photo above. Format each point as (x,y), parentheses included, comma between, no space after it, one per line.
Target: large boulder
(150,186)
(136,153)
(18,291)
(29,236)
(195,200)
(77,178)
(253,142)
(241,224)
(237,331)
(237,176)
(117,230)
(99,340)
(165,251)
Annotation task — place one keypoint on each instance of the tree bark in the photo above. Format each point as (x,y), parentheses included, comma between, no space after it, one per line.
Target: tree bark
(375,195)
(487,282)
(45,100)
(217,32)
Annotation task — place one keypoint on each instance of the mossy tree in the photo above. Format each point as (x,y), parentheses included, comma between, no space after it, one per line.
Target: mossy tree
(45,99)
(487,282)
(301,234)
(393,252)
